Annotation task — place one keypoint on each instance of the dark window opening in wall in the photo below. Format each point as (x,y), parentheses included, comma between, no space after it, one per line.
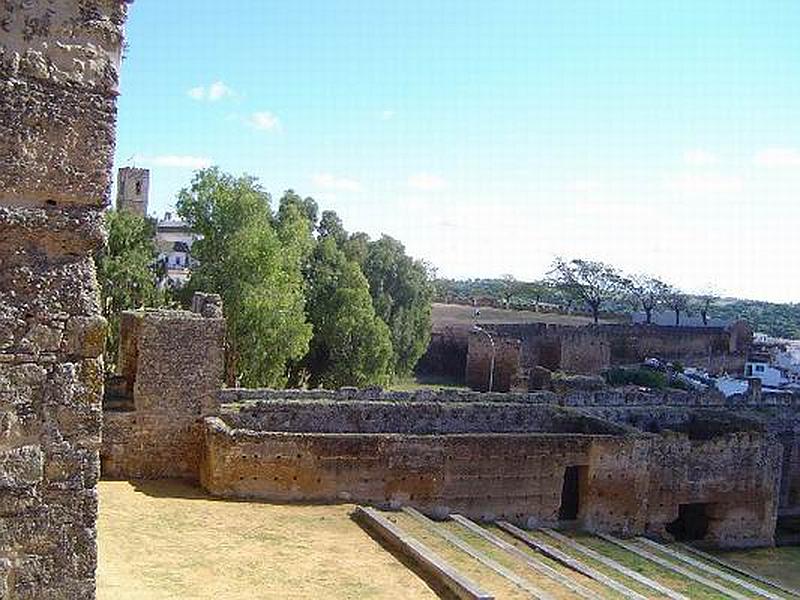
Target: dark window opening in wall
(574,477)
(550,355)
(138,188)
(692,522)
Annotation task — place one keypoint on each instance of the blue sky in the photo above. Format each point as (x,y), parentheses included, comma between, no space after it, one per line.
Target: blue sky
(663,137)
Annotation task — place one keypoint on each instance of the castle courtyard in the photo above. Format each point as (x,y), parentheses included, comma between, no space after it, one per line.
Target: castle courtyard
(168,539)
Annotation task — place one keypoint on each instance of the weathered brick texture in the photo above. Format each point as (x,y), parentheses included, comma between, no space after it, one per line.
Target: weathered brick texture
(172,365)
(58,77)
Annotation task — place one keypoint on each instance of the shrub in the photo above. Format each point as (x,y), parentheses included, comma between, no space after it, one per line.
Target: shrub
(641,377)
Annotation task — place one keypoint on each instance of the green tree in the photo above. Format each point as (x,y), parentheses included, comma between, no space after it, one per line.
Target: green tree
(704,302)
(351,344)
(242,256)
(357,247)
(647,293)
(295,224)
(127,271)
(330,225)
(402,292)
(510,288)
(590,282)
(677,301)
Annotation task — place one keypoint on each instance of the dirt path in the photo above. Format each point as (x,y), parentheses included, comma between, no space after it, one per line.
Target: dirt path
(169,540)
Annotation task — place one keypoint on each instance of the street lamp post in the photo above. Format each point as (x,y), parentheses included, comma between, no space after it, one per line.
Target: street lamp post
(494,353)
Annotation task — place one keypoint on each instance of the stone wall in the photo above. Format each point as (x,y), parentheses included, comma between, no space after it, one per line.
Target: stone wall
(502,459)
(712,348)
(503,374)
(511,476)
(412,418)
(593,348)
(446,354)
(172,361)
(58,77)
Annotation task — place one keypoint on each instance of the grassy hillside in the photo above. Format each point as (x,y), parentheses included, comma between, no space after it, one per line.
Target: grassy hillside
(458,315)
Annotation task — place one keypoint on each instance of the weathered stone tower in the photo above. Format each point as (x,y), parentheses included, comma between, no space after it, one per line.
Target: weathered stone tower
(133,188)
(59,62)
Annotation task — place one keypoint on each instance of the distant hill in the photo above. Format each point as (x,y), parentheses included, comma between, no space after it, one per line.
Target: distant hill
(777,320)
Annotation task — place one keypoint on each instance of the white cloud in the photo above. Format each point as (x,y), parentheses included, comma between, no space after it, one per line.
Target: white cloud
(705,184)
(214,92)
(264,121)
(426,182)
(197,93)
(778,157)
(700,158)
(385,115)
(177,161)
(326,181)
(583,187)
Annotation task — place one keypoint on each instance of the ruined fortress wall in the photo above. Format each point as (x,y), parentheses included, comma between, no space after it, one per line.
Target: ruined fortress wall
(556,347)
(506,354)
(736,475)
(511,476)
(173,362)
(705,347)
(455,460)
(630,396)
(446,354)
(58,76)
(591,349)
(411,418)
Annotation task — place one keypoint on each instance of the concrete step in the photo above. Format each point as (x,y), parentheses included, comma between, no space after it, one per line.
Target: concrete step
(431,566)
(707,581)
(709,570)
(615,566)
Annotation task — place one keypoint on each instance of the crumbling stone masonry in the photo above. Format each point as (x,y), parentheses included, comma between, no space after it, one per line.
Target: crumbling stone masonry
(59,61)
(518,457)
(503,370)
(171,365)
(672,464)
(591,349)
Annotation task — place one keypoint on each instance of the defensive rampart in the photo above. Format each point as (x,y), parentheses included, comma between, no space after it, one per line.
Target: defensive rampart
(528,461)
(621,460)
(58,78)
(593,348)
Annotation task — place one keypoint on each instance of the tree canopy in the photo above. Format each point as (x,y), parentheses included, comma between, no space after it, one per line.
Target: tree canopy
(305,301)
(127,272)
(648,293)
(351,344)
(593,283)
(402,292)
(242,255)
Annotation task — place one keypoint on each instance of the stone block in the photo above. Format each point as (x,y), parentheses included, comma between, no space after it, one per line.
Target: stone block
(21,467)
(84,336)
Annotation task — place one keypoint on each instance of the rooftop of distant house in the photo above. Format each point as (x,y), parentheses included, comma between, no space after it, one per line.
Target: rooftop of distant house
(168,222)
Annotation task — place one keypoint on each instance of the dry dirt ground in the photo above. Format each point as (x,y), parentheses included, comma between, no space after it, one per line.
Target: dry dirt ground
(167,539)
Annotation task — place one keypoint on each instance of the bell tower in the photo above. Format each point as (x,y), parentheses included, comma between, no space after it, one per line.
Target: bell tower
(133,187)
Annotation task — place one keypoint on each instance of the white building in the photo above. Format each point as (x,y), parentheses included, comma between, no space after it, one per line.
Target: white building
(770,376)
(174,240)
